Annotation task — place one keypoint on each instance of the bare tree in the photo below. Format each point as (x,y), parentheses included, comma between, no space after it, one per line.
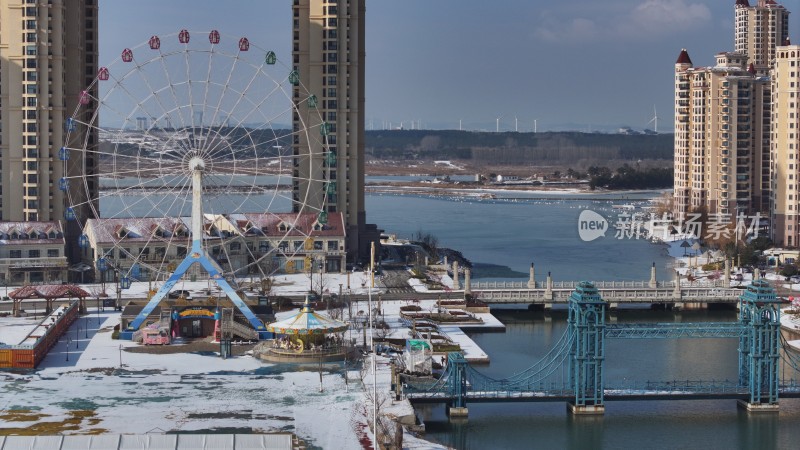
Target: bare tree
(363,411)
(382,330)
(336,311)
(665,204)
(98,291)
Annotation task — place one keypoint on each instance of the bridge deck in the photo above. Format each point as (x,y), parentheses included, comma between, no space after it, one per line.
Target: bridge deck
(609,395)
(613,295)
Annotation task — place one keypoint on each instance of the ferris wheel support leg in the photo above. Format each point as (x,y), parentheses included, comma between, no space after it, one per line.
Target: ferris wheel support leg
(156,299)
(214,275)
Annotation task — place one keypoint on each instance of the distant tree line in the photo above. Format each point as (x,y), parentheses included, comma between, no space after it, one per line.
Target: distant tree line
(627,177)
(514,148)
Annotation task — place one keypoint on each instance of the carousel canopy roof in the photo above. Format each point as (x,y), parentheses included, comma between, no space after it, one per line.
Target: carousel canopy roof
(307,322)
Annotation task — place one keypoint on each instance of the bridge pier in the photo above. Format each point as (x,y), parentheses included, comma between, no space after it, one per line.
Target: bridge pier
(457,384)
(757,407)
(585,410)
(587,311)
(548,290)
(689,306)
(457,411)
(759,348)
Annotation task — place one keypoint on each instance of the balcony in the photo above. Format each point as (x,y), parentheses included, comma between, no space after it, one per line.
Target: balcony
(34,263)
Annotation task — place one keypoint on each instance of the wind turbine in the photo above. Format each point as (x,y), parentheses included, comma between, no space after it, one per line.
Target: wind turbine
(497,125)
(654,120)
(516,124)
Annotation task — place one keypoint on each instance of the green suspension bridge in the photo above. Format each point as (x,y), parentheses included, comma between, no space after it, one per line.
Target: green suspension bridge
(573,370)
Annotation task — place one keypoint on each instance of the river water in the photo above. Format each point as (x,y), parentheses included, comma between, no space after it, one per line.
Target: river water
(545,231)
(515,233)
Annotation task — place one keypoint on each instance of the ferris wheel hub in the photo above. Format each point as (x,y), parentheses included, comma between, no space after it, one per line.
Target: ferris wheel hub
(197,163)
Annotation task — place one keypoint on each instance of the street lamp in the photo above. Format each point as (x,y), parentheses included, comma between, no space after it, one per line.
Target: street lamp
(311,275)
(102,266)
(69,341)
(124,283)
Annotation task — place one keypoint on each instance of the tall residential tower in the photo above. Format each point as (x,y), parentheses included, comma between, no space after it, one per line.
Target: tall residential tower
(723,117)
(48,54)
(721,127)
(328,53)
(785,148)
(759,30)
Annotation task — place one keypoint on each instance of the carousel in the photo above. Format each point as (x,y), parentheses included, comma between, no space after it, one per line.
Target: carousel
(306,337)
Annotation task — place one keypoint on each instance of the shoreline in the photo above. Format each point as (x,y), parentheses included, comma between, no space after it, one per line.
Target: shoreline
(415,188)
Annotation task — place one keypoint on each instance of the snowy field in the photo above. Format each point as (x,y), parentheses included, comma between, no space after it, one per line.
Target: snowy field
(83,389)
(14,330)
(89,383)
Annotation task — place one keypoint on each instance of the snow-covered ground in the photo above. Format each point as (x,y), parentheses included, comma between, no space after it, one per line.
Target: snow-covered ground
(791,322)
(176,392)
(90,383)
(14,329)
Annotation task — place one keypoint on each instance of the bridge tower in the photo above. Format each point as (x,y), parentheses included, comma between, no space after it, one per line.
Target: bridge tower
(586,322)
(458,384)
(759,346)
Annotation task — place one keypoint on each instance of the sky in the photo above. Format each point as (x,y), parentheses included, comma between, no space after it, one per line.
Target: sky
(560,65)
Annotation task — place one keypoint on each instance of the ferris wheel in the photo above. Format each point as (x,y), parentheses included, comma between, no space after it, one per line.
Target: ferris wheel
(193,134)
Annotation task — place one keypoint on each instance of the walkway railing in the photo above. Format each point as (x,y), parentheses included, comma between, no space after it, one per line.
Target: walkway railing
(572,284)
(695,294)
(306,352)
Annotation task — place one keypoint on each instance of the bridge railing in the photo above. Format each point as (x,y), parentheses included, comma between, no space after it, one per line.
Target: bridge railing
(481,285)
(539,390)
(675,330)
(571,285)
(678,387)
(613,295)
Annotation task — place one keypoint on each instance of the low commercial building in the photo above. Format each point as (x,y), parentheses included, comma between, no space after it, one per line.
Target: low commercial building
(245,244)
(32,253)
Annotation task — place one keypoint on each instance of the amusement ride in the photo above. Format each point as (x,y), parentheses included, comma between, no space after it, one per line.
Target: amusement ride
(196,127)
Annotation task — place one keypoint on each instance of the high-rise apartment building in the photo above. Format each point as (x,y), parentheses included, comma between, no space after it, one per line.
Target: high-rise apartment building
(785,147)
(328,54)
(721,136)
(48,56)
(723,119)
(759,30)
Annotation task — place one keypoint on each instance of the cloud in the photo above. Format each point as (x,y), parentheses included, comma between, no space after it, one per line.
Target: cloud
(647,20)
(665,15)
